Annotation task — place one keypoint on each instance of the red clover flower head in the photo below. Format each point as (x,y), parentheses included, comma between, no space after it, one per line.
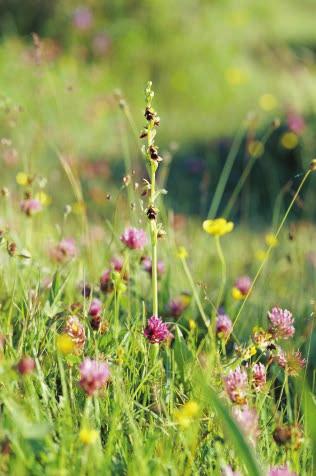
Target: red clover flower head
(156,331)
(259,376)
(247,419)
(30,206)
(281,323)
(95,307)
(281,471)
(243,284)
(236,383)
(224,326)
(64,250)
(147,265)
(134,238)
(26,365)
(106,284)
(93,375)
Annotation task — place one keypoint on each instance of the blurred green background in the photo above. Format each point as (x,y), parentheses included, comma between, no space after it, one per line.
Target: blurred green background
(219,68)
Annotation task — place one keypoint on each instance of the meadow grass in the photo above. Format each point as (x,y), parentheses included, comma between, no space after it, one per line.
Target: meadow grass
(215,386)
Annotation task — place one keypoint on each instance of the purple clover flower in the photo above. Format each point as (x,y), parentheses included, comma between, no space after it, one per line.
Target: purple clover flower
(281,471)
(93,375)
(243,284)
(156,331)
(247,419)
(30,206)
(147,265)
(281,323)
(134,238)
(95,307)
(236,383)
(259,376)
(224,326)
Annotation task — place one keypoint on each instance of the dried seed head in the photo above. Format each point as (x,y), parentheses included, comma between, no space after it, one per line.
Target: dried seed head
(282,435)
(313,165)
(11,248)
(127,180)
(276,123)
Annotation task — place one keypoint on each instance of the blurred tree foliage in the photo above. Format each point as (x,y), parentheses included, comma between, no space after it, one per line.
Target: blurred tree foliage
(212,63)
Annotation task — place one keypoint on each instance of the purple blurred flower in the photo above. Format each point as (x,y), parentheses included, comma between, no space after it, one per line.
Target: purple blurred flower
(281,323)
(26,365)
(117,263)
(224,326)
(76,331)
(296,122)
(93,375)
(247,419)
(228,471)
(147,265)
(236,383)
(176,306)
(82,18)
(259,376)
(101,44)
(64,250)
(95,307)
(106,284)
(30,206)
(281,471)
(243,284)
(156,330)
(134,238)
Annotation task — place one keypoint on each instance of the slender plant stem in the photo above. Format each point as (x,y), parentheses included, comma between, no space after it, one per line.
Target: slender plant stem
(195,293)
(153,227)
(225,173)
(224,268)
(271,246)
(244,177)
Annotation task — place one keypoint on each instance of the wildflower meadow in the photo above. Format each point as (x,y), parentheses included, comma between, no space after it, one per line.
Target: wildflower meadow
(137,339)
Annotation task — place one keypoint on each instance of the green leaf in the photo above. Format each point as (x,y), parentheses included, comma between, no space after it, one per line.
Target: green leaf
(243,449)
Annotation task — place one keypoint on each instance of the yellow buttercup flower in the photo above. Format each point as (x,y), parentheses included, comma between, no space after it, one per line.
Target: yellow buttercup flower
(218,227)
(187,413)
(22,178)
(271,240)
(237,294)
(182,252)
(87,436)
(65,344)
(261,255)
(43,198)
(192,324)
(268,102)
(289,140)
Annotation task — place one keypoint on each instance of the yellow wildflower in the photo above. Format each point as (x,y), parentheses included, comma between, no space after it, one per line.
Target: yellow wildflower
(261,255)
(218,227)
(43,198)
(237,294)
(65,344)
(22,178)
(182,252)
(187,413)
(255,148)
(271,240)
(192,324)
(268,102)
(289,140)
(87,436)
